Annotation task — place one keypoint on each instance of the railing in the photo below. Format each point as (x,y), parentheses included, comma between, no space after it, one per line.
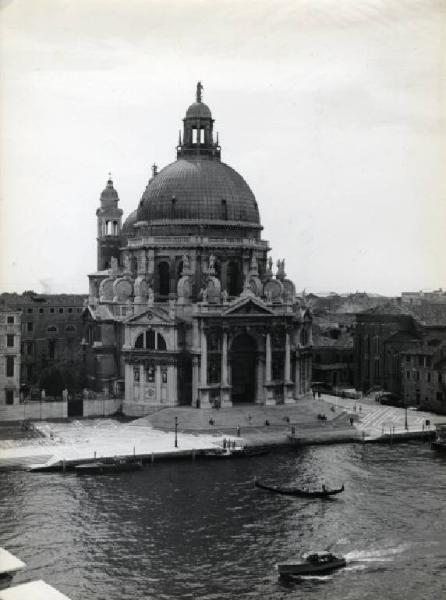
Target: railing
(195,241)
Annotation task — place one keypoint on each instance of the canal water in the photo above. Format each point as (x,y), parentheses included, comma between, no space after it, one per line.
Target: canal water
(202,530)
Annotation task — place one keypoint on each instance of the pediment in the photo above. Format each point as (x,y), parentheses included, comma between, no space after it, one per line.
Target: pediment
(151,316)
(249,306)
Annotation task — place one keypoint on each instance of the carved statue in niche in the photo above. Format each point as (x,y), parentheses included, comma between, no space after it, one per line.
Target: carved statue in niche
(113,267)
(186,263)
(150,296)
(127,264)
(204,294)
(270,265)
(211,269)
(224,296)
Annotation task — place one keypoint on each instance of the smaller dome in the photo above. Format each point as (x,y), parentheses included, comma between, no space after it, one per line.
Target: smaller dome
(198,110)
(127,228)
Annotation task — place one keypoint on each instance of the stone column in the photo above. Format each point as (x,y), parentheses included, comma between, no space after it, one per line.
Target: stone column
(204,392)
(195,380)
(158,384)
(204,358)
(288,384)
(224,359)
(268,358)
(287,371)
(225,387)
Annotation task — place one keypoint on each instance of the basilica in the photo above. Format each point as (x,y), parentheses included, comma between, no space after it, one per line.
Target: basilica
(186,306)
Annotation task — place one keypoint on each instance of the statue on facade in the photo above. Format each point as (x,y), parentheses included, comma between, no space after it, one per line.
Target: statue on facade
(186,263)
(224,296)
(127,265)
(150,296)
(211,264)
(204,294)
(280,269)
(113,266)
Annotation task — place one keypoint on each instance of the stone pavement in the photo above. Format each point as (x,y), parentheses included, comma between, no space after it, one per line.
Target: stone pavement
(376,419)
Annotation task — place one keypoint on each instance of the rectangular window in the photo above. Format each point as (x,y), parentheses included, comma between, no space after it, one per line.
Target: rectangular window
(30,310)
(61,310)
(9,396)
(407,374)
(30,348)
(9,366)
(418,375)
(30,326)
(428,361)
(40,310)
(428,377)
(10,320)
(51,310)
(70,310)
(10,340)
(440,378)
(407,358)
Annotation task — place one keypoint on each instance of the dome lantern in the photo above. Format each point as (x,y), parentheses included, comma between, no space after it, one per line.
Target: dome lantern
(198,130)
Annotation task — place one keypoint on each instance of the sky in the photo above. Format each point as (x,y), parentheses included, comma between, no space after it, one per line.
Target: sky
(334,112)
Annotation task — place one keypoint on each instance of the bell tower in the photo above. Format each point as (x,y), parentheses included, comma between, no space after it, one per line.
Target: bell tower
(109,218)
(198,137)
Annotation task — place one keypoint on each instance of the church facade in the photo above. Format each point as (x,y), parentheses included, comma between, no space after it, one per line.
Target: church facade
(185,308)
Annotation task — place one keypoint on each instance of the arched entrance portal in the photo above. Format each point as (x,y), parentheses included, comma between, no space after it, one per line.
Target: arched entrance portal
(243,368)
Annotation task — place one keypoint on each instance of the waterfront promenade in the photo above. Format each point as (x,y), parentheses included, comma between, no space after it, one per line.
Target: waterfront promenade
(153,437)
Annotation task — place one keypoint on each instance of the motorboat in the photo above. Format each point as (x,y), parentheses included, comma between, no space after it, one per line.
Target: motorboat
(313,563)
(294,491)
(108,465)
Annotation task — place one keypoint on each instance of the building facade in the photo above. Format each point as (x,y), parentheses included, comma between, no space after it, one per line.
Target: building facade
(10,334)
(185,307)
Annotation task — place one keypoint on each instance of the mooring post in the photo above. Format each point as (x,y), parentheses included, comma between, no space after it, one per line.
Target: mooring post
(153,458)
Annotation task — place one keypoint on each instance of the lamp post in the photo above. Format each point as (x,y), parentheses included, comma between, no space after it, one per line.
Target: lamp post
(405,416)
(176,432)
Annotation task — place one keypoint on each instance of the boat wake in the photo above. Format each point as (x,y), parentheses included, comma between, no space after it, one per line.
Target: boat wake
(379,555)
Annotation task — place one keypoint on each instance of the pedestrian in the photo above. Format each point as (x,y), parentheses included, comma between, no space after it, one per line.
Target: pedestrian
(249,419)
(360,408)
(351,421)
(293,430)
(211,421)
(238,430)
(266,422)
(224,443)
(314,393)
(319,395)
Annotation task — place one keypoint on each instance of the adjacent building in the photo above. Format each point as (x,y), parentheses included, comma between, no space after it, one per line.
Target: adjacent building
(399,348)
(10,334)
(50,343)
(185,307)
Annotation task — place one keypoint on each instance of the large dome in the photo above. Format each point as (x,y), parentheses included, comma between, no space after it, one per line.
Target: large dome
(198,189)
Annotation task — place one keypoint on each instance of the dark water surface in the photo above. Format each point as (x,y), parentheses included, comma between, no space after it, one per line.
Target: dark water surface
(201,530)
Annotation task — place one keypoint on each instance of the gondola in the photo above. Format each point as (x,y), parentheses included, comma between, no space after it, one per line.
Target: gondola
(292,491)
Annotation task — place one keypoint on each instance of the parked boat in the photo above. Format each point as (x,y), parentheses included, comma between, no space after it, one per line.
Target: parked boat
(101,467)
(9,565)
(294,491)
(439,443)
(314,563)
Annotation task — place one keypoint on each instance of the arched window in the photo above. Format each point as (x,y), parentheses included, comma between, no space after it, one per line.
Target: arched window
(233,278)
(163,278)
(161,345)
(149,340)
